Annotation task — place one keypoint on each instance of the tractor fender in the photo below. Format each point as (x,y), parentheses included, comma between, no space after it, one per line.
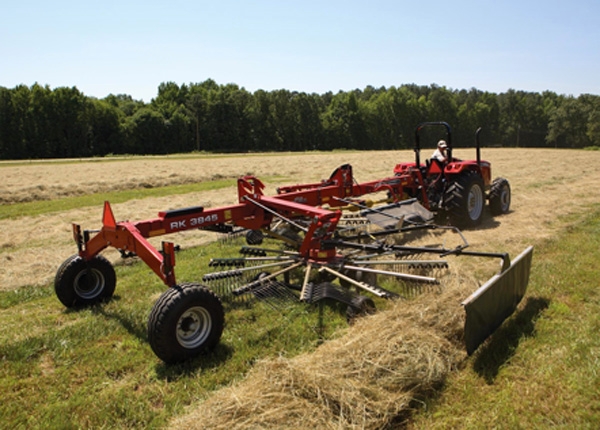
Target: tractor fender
(483,169)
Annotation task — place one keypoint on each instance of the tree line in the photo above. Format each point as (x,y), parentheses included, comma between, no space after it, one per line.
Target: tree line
(39,122)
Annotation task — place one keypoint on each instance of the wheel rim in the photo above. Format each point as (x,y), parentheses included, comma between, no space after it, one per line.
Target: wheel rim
(193,327)
(475,202)
(89,283)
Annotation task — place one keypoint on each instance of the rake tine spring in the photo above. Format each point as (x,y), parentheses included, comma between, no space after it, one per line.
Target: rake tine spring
(259,252)
(262,252)
(239,271)
(218,262)
(406,264)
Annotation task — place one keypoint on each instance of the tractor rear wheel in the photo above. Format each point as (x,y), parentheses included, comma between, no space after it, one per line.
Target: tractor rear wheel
(465,200)
(185,321)
(499,197)
(79,282)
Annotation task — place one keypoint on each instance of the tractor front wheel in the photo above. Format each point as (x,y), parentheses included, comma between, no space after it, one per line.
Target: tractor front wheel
(499,197)
(185,321)
(79,282)
(465,200)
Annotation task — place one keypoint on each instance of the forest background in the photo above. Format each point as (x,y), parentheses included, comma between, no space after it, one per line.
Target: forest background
(39,122)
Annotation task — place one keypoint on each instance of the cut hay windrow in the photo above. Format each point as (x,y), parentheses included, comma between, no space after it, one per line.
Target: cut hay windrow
(373,376)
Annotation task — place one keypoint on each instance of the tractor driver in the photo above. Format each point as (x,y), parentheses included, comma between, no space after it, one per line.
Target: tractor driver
(440,153)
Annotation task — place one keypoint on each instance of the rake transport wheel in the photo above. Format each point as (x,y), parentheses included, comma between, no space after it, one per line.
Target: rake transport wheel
(361,305)
(366,277)
(79,282)
(465,200)
(499,197)
(185,321)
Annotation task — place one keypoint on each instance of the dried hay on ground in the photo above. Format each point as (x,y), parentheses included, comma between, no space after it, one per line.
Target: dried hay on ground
(371,377)
(31,248)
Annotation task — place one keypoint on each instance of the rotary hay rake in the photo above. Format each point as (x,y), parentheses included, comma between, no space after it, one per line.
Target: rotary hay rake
(336,246)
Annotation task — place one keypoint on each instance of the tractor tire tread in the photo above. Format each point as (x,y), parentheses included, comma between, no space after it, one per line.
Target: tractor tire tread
(456,197)
(495,197)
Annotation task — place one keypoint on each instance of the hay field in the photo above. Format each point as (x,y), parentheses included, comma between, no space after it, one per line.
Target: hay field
(545,185)
(372,375)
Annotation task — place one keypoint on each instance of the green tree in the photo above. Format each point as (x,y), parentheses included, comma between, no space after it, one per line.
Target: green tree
(477,109)
(573,123)
(442,105)
(172,103)
(10,135)
(344,123)
(124,103)
(106,131)
(146,130)
(227,126)
(261,122)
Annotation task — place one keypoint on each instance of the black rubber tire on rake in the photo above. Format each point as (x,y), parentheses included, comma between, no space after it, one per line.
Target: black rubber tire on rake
(83,283)
(361,305)
(185,321)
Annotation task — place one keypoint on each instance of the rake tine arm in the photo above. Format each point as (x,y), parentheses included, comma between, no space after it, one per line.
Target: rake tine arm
(379,292)
(459,250)
(391,231)
(406,276)
(502,255)
(304,293)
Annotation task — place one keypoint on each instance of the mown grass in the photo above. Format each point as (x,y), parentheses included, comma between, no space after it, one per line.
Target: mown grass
(541,369)
(93,368)
(40,207)
(182,156)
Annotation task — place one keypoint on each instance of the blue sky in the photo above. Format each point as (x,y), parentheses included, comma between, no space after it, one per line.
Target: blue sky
(130,47)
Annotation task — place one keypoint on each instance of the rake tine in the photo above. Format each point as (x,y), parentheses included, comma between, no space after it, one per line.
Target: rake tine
(378,291)
(254,284)
(274,293)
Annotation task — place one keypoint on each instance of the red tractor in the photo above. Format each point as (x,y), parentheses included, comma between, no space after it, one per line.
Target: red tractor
(455,188)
